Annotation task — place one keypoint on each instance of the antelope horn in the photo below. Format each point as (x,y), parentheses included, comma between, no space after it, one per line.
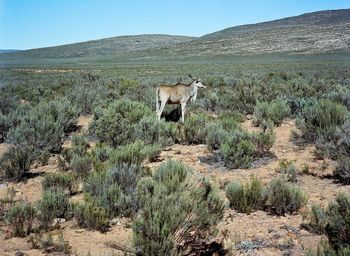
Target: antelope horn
(191,76)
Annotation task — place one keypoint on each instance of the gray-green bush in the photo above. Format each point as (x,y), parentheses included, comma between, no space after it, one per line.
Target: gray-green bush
(174,211)
(20,218)
(282,198)
(53,204)
(245,198)
(15,163)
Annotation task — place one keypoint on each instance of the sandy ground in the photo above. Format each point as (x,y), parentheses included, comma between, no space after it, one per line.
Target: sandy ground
(265,234)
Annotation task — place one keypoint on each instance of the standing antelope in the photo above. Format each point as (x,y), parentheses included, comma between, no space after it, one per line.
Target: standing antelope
(177,94)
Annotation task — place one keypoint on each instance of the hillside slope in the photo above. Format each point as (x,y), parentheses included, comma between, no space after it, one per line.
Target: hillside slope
(312,33)
(102,47)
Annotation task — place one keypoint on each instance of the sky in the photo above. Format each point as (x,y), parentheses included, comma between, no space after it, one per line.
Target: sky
(27,24)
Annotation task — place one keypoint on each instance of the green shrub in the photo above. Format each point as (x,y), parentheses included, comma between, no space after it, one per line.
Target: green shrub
(53,204)
(89,215)
(318,219)
(21,217)
(151,131)
(325,249)
(288,170)
(275,111)
(237,150)
(338,224)
(174,220)
(342,171)
(322,118)
(195,131)
(334,222)
(114,188)
(134,153)
(79,146)
(81,165)
(61,181)
(282,198)
(39,131)
(115,125)
(50,244)
(245,198)
(216,134)
(15,163)
(172,173)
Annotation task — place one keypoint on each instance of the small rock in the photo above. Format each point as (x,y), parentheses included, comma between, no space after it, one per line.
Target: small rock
(18,253)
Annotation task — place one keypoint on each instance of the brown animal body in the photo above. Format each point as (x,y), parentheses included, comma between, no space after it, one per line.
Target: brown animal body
(179,94)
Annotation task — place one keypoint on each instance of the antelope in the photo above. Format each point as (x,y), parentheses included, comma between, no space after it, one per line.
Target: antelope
(179,94)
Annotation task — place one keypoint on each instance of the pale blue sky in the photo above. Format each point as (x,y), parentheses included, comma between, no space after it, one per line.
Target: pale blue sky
(28,24)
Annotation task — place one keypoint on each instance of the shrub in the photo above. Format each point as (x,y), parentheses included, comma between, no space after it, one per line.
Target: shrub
(288,170)
(275,111)
(237,150)
(15,163)
(282,198)
(53,204)
(116,124)
(245,198)
(61,181)
(172,173)
(38,131)
(151,131)
(20,217)
(322,118)
(82,165)
(134,153)
(195,131)
(63,112)
(342,172)
(49,244)
(114,189)
(89,215)
(338,224)
(175,219)
(79,146)
(216,134)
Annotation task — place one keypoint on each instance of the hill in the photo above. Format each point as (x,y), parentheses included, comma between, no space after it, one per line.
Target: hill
(8,50)
(311,33)
(102,47)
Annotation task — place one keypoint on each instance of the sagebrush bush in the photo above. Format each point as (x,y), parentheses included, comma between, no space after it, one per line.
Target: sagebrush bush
(20,218)
(282,198)
(288,169)
(15,163)
(342,171)
(245,198)
(338,224)
(82,165)
(276,111)
(194,126)
(134,153)
(114,189)
(116,124)
(151,131)
(61,181)
(333,221)
(39,131)
(322,118)
(237,150)
(174,219)
(50,243)
(53,204)
(91,216)
(325,249)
